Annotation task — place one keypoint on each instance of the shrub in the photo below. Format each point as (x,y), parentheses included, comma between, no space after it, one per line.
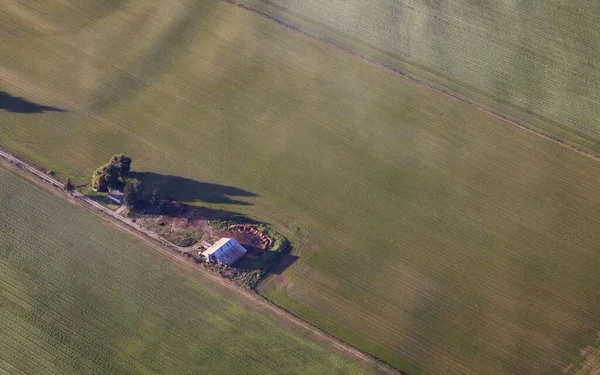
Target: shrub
(280,242)
(250,279)
(69,185)
(226,223)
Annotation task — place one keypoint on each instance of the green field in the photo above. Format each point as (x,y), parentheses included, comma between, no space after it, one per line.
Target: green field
(534,61)
(427,231)
(78,296)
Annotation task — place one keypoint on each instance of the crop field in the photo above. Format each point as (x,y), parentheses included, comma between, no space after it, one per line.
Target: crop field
(588,363)
(427,232)
(79,297)
(534,61)
(591,366)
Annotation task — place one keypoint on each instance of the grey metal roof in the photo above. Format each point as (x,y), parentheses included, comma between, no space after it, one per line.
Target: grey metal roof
(226,251)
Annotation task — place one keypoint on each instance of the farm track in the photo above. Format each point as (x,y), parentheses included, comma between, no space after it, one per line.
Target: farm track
(443,90)
(153,238)
(57,184)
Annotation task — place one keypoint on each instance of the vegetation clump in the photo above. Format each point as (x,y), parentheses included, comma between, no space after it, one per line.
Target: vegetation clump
(69,186)
(111,174)
(123,164)
(280,242)
(132,193)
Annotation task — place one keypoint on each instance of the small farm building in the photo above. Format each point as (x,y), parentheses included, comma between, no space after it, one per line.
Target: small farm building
(115,196)
(225,250)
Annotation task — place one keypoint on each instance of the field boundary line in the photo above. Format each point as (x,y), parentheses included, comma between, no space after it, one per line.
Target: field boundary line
(76,195)
(575,367)
(167,248)
(419,81)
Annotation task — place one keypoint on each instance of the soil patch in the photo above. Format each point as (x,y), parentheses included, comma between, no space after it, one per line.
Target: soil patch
(178,218)
(249,236)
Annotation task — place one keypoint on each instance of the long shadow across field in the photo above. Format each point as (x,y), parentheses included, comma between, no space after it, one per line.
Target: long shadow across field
(188,190)
(285,261)
(19,105)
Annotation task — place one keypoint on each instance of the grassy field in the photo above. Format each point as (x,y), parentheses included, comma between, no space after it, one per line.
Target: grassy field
(427,232)
(78,296)
(535,61)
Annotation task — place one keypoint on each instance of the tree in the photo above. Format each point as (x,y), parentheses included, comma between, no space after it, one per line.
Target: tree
(155,197)
(104,177)
(131,194)
(123,164)
(69,185)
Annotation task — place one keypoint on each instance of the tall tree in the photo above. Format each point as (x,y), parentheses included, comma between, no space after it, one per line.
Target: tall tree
(123,163)
(131,194)
(104,177)
(155,197)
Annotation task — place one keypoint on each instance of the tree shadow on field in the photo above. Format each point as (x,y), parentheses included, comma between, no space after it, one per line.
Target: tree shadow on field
(187,190)
(19,105)
(270,262)
(286,261)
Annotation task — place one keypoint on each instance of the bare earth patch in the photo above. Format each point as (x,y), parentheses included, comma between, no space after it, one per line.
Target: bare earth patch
(256,242)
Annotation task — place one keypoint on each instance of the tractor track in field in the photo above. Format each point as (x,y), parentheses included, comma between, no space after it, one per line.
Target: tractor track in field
(165,247)
(442,90)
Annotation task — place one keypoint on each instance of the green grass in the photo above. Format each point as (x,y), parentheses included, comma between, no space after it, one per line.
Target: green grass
(78,296)
(428,232)
(534,61)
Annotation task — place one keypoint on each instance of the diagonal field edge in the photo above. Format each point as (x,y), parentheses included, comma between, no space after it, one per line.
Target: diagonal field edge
(441,89)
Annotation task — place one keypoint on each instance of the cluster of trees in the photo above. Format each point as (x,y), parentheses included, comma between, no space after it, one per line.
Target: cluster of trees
(111,174)
(132,193)
(134,196)
(115,174)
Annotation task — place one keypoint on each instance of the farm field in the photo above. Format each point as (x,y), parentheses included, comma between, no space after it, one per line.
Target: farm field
(78,296)
(427,233)
(533,61)
(588,363)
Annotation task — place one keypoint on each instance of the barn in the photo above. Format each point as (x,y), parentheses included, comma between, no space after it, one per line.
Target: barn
(226,251)
(115,196)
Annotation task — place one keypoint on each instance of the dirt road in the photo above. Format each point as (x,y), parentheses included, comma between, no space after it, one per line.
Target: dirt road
(57,184)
